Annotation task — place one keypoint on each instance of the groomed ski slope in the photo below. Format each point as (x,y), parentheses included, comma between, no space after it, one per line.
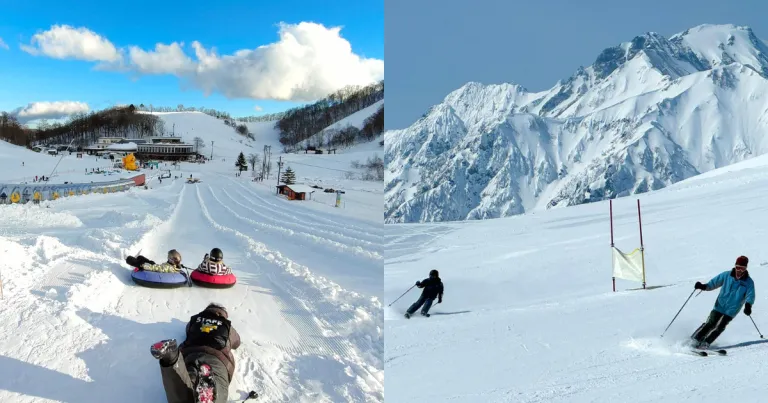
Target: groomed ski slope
(529,314)
(307,303)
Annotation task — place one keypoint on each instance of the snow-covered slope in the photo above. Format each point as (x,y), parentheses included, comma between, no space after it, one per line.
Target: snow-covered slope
(646,114)
(227,143)
(21,165)
(307,303)
(529,314)
(356,120)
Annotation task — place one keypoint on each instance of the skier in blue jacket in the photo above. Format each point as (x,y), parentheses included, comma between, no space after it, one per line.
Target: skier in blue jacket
(737,290)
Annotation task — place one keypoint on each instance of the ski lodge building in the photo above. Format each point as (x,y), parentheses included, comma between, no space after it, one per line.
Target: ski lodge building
(148,148)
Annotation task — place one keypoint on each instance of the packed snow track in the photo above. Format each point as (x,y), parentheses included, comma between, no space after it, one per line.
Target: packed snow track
(77,329)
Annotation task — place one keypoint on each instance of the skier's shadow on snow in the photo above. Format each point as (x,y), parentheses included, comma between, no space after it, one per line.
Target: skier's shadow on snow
(449,313)
(744,344)
(121,368)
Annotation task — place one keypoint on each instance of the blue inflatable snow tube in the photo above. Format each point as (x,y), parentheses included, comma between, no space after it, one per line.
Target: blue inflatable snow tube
(154,279)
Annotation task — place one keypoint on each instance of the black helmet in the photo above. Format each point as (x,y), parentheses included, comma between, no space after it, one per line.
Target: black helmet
(434,273)
(216,255)
(217,309)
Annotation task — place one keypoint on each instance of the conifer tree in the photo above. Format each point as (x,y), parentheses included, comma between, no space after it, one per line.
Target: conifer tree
(289,177)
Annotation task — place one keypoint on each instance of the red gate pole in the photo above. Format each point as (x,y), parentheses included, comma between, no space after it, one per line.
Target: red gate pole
(642,248)
(610,209)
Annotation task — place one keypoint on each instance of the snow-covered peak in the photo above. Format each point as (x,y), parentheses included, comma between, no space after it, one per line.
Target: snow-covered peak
(725,44)
(475,103)
(648,113)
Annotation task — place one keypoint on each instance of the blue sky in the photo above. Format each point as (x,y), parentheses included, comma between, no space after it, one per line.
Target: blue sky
(436,46)
(53,69)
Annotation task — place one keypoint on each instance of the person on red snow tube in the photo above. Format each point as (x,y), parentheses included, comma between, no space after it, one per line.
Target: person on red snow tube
(212,272)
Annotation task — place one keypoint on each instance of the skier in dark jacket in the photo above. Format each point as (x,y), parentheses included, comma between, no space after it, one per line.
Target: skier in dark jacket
(737,290)
(433,288)
(201,368)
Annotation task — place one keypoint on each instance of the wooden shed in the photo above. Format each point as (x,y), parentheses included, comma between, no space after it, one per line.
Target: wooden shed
(295,192)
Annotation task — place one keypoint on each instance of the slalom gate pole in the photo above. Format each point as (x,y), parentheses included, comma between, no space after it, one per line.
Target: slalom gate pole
(678,312)
(610,212)
(642,248)
(406,292)
(758,330)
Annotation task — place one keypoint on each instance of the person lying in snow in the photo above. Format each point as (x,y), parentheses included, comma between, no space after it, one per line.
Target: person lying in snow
(213,264)
(433,288)
(171,265)
(201,368)
(737,290)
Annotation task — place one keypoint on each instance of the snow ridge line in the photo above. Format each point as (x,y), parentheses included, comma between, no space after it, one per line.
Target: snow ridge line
(329,234)
(357,250)
(366,361)
(311,217)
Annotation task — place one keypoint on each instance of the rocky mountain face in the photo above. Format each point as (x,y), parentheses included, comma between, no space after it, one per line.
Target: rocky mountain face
(646,114)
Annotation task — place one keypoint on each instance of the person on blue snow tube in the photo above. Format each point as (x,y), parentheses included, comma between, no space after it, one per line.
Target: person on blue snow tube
(433,288)
(737,290)
(213,264)
(171,265)
(201,368)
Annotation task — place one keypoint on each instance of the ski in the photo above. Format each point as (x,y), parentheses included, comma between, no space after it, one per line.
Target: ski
(721,352)
(706,353)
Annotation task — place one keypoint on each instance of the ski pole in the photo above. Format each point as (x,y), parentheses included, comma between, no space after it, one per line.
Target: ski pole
(758,330)
(406,292)
(678,312)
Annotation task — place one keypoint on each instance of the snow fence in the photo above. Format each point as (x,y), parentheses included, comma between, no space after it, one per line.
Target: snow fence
(14,193)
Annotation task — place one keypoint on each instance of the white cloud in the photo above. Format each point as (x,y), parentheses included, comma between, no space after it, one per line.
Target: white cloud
(3,44)
(66,42)
(165,59)
(308,62)
(257,108)
(49,110)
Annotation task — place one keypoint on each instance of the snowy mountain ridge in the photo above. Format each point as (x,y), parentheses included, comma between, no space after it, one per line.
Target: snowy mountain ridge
(646,114)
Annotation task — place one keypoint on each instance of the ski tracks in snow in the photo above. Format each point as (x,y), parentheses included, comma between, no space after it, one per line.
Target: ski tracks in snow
(76,327)
(340,339)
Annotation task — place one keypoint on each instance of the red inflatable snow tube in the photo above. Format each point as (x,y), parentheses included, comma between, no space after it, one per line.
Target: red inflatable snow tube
(207,280)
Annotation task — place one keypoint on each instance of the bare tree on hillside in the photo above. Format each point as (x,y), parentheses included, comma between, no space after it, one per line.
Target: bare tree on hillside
(253,159)
(266,162)
(199,143)
(242,129)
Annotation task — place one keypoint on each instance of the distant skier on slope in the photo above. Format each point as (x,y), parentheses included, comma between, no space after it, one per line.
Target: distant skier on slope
(433,288)
(201,368)
(171,265)
(213,264)
(737,290)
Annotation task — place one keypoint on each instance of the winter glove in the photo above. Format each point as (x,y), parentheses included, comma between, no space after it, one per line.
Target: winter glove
(748,309)
(700,286)
(440,300)
(418,283)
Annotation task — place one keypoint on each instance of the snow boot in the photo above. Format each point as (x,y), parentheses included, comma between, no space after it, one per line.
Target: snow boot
(205,388)
(407,315)
(166,351)
(424,314)
(702,346)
